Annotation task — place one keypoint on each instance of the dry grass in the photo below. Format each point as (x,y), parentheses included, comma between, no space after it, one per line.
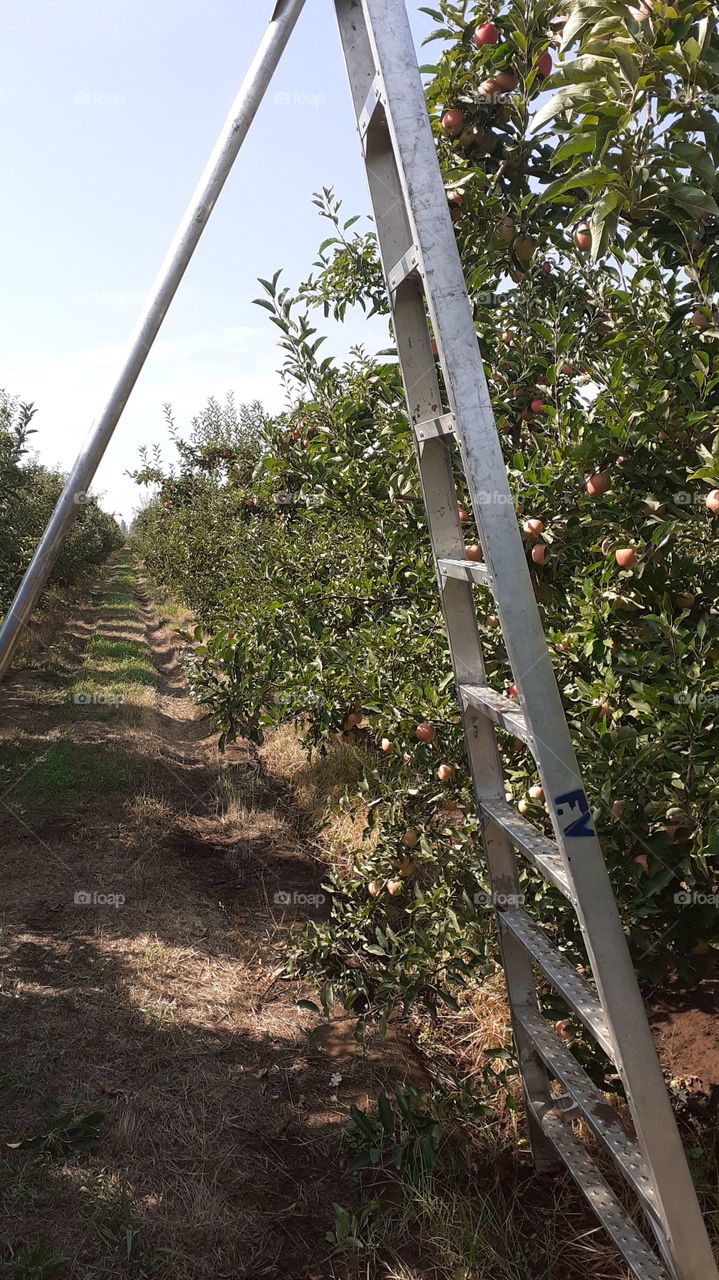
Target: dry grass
(324,788)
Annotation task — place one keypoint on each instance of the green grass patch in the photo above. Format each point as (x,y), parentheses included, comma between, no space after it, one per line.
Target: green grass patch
(113,665)
(67,769)
(102,647)
(70,766)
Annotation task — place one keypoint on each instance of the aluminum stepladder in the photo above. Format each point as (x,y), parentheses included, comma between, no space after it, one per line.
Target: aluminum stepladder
(424,276)
(425,279)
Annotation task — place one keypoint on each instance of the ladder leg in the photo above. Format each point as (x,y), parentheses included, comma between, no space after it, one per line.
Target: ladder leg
(439,493)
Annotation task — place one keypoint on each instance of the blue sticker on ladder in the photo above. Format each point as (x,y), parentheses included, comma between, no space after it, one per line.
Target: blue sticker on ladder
(572,809)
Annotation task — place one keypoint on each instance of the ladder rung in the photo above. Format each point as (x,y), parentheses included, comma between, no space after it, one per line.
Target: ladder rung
(467,570)
(601,1117)
(643,1261)
(433,427)
(503,711)
(579,995)
(372,101)
(539,849)
(407,266)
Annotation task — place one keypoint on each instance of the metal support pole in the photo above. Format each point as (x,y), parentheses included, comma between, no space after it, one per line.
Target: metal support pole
(234,131)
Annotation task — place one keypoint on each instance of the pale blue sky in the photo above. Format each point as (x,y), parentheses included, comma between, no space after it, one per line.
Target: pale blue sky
(109,109)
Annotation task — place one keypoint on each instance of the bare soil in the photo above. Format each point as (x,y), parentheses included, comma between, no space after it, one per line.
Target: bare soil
(686,1031)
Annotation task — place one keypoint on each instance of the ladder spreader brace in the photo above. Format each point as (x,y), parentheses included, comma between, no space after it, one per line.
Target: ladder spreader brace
(425,284)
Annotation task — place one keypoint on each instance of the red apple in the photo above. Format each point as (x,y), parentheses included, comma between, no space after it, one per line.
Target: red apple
(598,484)
(453,122)
(506,80)
(424,732)
(445,772)
(583,237)
(700,319)
(485,33)
(409,839)
(385,745)
(539,553)
(534,526)
(537,406)
(678,832)
(626,557)
(712,501)
(473,553)
(489,90)
(544,63)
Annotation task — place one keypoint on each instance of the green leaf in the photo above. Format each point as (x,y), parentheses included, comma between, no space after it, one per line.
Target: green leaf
(386,1114)
(697,158)
(576,146)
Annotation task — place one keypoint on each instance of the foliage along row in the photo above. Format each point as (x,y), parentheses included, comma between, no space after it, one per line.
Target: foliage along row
(28,494)
(579,158)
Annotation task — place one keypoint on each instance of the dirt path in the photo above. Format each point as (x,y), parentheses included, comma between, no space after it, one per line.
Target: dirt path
(173,1115)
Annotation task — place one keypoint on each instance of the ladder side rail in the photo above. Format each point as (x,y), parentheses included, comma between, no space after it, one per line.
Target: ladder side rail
(425,199)
(445,529)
